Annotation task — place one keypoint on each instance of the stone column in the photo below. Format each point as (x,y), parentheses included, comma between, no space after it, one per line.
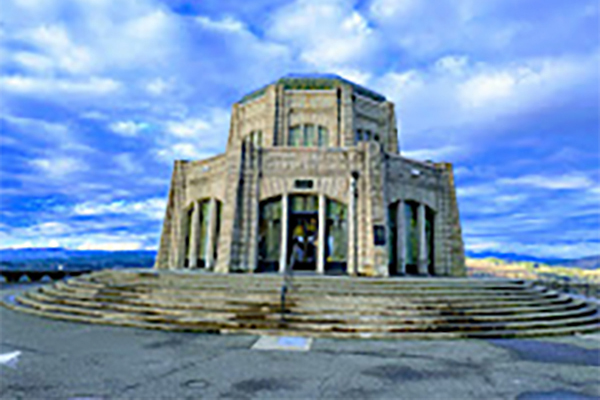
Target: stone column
(321,234)
(352,226)
(422,260)
(194,236)
(284,233)
(211,233)
(401,239)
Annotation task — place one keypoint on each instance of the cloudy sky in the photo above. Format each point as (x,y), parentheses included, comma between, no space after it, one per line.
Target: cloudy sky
(98,97)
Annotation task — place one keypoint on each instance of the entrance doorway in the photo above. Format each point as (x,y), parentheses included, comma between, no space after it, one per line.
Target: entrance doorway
(303,232)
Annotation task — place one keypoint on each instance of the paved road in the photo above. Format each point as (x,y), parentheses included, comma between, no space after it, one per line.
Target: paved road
(69,360)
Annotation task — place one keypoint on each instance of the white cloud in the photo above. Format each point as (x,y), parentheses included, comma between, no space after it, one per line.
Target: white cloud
(392,8)
(58,131)
(34,61)
(458,99)
(483,89)
(476,191)
(43,87)
(325,34)
(227,24)
(152,208)
(188,128)
(353,75)
(455,64)
(128,128)
(194,138)
(557,182)
(158,86)
(58,167)
(128,163)
(110,246)
(434,154)
(54,41)
(183,151)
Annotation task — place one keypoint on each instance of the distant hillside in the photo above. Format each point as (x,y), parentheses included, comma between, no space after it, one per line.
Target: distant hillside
(592,262)
(51,258)
(513,257)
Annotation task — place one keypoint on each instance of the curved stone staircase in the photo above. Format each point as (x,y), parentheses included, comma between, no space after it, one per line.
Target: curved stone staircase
(316,306)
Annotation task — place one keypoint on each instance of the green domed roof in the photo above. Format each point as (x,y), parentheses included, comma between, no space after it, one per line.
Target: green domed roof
(314,82)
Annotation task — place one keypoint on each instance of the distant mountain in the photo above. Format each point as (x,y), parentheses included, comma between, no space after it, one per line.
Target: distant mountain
(592,262)
(513,257)
(52,258)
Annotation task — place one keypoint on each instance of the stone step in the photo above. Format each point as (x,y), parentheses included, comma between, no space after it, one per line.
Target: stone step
(562,330)
(144,288)
(300,315)
(315,306)
(355,301)
(124,290)
(108,277)
(206,321)
(241,305)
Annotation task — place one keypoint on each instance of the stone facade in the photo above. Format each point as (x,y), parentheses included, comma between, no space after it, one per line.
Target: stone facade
(312,177)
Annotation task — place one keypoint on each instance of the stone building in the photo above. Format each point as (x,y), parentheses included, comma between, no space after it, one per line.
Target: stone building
(313,174)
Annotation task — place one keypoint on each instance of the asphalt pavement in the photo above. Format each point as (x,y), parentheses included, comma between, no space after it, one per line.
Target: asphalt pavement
(67,360)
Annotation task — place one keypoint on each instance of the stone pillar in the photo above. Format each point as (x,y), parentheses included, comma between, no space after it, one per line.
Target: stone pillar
(321,234)
(194,236)
(352,226)
(211,233)
(422,260)
(284,233)
(401,239)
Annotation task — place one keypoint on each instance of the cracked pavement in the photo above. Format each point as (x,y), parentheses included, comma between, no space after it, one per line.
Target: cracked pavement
(70,360)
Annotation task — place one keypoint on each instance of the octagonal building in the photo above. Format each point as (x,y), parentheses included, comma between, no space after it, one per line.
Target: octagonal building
(313,179)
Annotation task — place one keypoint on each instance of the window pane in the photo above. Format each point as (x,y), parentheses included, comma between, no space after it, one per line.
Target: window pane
(337,232)
(205,216)
(217,231)
(295,138)
(412,244)
(358,136)
(301,203)
(309,131)
(323,137)
(269,235)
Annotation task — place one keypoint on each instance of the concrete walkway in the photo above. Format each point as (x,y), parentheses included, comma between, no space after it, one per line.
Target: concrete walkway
(69,360)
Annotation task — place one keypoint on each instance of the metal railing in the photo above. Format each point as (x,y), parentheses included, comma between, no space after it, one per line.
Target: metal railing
(287,282)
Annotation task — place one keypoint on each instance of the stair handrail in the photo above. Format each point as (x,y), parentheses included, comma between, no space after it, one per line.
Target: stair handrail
(287,281)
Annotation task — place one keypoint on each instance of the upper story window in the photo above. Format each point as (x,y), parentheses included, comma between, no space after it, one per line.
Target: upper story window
(255,137)
(365,135)
(323,137)
(308,135)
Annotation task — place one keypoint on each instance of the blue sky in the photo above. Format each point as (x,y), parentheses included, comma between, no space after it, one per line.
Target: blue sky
(97,98)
